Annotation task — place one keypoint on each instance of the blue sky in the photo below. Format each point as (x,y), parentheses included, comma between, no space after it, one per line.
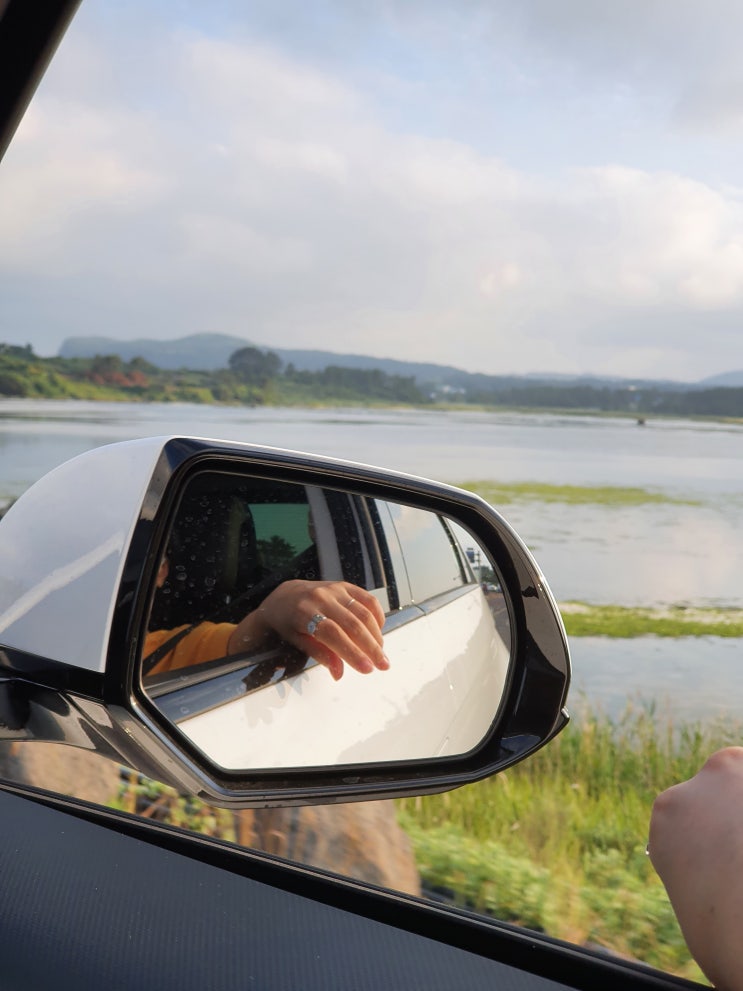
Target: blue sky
(552,185)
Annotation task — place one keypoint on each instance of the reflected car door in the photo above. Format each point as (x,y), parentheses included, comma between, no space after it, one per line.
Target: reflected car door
(444,600)
(447,661)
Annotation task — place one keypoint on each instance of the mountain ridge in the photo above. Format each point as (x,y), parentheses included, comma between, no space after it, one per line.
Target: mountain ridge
(210,351)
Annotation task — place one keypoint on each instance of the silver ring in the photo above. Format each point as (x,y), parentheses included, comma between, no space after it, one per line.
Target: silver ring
(314,623)
(350,603)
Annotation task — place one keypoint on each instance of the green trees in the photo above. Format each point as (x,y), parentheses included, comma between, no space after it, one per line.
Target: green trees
(255,367)
(255,376)
(338,382)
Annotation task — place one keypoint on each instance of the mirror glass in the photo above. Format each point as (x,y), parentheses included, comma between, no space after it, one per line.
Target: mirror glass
(298,626)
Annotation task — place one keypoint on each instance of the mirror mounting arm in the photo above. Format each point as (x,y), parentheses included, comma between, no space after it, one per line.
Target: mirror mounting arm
(14,711)
(77,605)
(32,712)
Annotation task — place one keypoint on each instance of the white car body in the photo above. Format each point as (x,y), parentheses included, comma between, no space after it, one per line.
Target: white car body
(446,667)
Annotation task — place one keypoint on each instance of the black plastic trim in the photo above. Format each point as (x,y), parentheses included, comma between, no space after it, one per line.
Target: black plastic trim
(531,712)
(29,35)
(527,951)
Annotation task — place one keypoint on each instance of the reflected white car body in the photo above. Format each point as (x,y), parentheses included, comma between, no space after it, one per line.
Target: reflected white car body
(54,559)
(446,668)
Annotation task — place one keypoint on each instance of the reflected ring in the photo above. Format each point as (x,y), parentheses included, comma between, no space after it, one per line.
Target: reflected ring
(350,603)
(314,623)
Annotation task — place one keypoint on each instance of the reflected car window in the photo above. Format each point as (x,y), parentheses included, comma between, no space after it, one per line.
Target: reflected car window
(423,554)
(282,530)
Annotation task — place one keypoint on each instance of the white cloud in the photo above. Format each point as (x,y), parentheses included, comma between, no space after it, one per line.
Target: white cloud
(276,201)
(246,78)
(501,279)
(712,104)
(664,237)
(68,161)
(224,243)
(317,159)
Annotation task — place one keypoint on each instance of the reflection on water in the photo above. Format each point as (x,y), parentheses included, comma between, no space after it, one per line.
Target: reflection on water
(687,677)
(675,456)
(658,554)
(652,555)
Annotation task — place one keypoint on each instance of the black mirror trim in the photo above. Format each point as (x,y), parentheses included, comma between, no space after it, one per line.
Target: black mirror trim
(533,706)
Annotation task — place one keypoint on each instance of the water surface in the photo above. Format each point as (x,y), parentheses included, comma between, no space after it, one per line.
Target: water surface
(654,554)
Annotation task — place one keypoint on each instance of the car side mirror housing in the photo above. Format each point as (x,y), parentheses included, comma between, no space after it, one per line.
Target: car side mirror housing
(179,604)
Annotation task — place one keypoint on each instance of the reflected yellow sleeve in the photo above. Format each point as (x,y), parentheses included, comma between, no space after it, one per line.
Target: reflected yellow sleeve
(206,642)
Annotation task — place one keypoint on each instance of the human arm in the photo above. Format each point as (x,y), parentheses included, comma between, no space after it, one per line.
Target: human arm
(350,631)
(205,642)
(696,846)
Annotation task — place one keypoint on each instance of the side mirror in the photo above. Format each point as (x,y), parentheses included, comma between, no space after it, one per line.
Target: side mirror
(180,605)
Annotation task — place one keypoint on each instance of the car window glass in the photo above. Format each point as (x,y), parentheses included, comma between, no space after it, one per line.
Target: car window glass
(425,558)
(281,531)
(379,181)
(232,536)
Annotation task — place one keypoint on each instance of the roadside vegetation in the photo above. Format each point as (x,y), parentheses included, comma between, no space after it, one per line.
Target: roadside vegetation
(143,796)
(557,843)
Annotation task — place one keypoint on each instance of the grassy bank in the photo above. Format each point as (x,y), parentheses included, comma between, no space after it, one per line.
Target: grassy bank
(586,620)
(558,843)
(498,494)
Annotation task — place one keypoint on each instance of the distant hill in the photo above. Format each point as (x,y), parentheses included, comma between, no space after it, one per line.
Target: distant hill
(203,352)
(207,352)
(727,379)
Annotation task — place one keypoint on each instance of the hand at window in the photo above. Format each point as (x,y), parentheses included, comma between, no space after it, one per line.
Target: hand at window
(334,622)
(696,846)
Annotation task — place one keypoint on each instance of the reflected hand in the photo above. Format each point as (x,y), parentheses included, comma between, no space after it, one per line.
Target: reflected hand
(696,846)
(350,630)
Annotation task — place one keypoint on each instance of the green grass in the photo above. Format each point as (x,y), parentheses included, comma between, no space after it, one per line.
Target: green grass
(586,620)
(153,800)
(557,843)
(497,494)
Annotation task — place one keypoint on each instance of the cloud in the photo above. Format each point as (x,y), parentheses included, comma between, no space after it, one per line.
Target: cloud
(69,161)
(677,60)
(659,238)
(634,39)
(261,194)
(712,105)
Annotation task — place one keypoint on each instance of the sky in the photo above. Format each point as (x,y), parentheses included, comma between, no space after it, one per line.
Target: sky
(549,186)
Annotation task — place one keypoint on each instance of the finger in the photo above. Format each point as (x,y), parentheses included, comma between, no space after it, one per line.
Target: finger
(356,634)
(370,602)
(348,628)
(328,659)
(357,626)
(329,634)
(359,621)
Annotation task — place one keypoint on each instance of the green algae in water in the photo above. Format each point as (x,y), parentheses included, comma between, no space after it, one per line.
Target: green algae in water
(583,619)
(497,493)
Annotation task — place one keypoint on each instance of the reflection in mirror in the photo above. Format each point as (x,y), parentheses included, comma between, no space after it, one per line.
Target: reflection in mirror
(298,626)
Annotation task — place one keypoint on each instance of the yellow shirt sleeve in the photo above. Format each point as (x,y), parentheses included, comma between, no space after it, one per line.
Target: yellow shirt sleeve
(206,642)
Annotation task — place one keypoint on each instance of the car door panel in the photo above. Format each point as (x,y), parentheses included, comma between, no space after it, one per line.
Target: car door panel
(93,898)
(406,713)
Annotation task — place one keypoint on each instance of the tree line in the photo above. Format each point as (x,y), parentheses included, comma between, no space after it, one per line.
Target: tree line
(723,401)
(252,376)
(255,376)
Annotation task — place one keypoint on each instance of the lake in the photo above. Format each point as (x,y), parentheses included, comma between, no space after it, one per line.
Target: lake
(654,554)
